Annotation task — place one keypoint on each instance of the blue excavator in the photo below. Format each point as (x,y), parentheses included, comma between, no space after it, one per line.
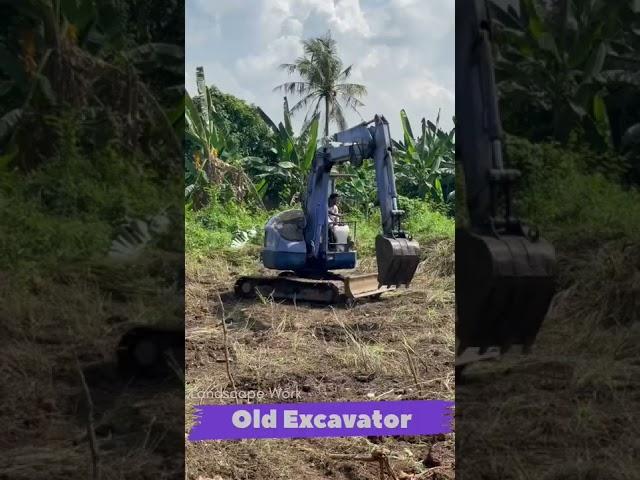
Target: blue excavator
(308,250)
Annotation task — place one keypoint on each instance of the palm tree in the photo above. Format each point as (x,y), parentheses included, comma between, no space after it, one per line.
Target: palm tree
(322,81)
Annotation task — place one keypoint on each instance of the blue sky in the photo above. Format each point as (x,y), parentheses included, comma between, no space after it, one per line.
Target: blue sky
(401,50)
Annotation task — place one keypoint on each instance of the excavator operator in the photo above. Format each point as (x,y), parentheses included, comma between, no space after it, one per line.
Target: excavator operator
(334,216)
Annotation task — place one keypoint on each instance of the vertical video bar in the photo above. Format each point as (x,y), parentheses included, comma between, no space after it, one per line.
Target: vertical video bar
(92,247)
(547,239)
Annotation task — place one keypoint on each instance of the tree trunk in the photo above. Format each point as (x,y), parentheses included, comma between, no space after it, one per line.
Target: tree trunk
(326,116)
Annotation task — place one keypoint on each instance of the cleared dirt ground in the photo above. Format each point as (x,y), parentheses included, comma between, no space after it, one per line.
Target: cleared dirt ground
(399,347)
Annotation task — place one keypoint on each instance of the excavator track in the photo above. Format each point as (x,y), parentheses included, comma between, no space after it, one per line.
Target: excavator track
(288,286)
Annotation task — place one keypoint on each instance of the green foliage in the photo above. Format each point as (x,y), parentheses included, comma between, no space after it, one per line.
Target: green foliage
(203,167)
(88,136)
(72,207)
(536,159)
(245,131)
(80,55)
(567,67)
(202,137)
(214,228)
(425,165)
(285,178)
(201,129)
(423,222)
(426,222)
(359,191)
(571,200)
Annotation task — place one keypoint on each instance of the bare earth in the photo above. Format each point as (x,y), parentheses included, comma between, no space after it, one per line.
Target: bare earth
(399,347)
(568,411)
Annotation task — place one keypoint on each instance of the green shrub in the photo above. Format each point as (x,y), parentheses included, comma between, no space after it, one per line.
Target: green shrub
(213,229)
(70,208)
(423,221)
(574,195)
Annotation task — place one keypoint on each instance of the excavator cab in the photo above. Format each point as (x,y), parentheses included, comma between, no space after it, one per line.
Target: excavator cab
(505,272)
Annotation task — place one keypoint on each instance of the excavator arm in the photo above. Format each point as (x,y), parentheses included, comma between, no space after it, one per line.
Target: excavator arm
(504,270)
(396,253)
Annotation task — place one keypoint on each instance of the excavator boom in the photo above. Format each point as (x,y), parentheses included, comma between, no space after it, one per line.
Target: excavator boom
(504,271)
(397,255)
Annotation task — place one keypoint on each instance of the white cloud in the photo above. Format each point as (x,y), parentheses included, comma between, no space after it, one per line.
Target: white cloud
(281,50)
(291,27)
(348,17)
(423,87)
(402,50)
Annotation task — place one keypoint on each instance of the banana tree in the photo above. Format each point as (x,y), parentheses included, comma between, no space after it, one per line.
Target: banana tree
(557,64)
(204,167)
(360,191)
(71,53)
(293,157)
(425,165)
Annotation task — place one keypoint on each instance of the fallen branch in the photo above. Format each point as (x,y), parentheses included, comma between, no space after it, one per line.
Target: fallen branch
(175,366)
(412,366)
(226,349)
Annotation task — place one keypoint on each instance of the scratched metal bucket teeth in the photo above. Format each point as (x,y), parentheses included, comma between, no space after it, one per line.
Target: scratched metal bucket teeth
(504,286)
(398,259)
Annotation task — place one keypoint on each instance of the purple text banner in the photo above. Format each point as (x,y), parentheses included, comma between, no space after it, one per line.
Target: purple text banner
(306,420)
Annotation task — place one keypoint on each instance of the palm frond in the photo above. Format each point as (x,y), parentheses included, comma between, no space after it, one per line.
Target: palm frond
(293,88)
(335,111)
(314,112)
(346,73)
(304,102)
(352,89)
(351,102)
(321,75)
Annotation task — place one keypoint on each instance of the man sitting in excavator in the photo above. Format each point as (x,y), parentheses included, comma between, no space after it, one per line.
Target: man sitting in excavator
(334,216)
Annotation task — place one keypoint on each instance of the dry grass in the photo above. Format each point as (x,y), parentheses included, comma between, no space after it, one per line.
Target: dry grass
(325,354)
(570,409)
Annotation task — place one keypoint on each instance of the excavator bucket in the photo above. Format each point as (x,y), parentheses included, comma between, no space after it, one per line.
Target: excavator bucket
(397,259)
(504,286)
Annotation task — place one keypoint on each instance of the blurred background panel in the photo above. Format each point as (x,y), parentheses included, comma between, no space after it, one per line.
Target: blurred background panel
(566,133)
(91,247)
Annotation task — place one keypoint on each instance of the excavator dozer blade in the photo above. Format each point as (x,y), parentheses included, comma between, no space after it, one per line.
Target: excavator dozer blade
(363,285)
(504,286)
(397,259)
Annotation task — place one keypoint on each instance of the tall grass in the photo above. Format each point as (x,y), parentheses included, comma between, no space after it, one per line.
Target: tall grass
(575,196)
